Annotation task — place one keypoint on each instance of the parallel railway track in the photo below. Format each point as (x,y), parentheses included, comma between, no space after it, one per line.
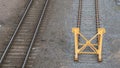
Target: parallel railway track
(19,47)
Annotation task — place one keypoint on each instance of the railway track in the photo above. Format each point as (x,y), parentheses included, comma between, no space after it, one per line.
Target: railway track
(88,17)
(17,51)
(88,33)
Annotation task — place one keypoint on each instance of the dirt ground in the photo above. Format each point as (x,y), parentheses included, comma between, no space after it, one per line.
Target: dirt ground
(56,43)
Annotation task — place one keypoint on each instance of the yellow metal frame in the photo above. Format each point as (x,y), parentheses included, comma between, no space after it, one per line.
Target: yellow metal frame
(97,51)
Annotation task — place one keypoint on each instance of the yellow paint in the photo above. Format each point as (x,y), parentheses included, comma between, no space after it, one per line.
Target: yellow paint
(97,51)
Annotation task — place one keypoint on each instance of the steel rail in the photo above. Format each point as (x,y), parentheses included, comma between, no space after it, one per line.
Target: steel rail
(79,14)
(97,18)
(97,14)
(16,30)
(34,35)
